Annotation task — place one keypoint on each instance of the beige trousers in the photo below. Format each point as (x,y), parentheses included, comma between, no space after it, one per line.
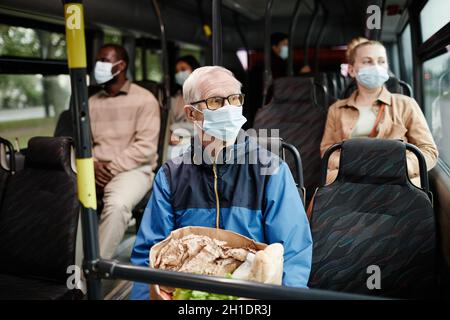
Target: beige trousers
(121,195)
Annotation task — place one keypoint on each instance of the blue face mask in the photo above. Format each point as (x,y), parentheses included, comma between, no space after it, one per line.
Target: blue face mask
(284,52)
(181,76)
(223,123)
(372,77)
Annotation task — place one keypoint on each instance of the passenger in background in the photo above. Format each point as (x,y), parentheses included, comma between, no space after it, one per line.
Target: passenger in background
(279,53)
(215,184)
(280,50)
(125,123)
(372,111)
(180,129)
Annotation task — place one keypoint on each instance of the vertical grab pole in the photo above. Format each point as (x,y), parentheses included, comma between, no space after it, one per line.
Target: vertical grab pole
(267,50)
(217,32)
(76,56)
(319,38)
(309,34)
(290,66)
(166,79)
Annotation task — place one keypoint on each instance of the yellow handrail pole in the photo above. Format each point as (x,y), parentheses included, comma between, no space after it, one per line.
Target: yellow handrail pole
(76,57)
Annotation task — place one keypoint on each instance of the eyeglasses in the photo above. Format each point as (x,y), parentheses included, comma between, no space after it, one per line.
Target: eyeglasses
(215,103)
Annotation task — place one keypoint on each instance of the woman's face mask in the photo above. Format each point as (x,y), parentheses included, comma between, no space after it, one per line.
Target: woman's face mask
(103,71)
(372,77)
(284,52)
(181,76)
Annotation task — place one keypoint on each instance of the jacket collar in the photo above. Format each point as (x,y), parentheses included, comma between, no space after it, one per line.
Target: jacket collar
(385,97)
(123,90)
(232,154)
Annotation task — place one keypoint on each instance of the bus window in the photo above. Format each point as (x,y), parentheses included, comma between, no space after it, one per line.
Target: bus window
(437,101)
(31,43)
(407,57)
(154,71)
(112,38)
(433,17)
(30,105)
(186,49)
(138,76)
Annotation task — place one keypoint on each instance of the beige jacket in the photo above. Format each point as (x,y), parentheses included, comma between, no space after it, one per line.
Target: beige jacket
(402,119)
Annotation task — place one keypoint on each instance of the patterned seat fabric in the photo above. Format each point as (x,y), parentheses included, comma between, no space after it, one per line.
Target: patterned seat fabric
(373,216)
(34,289)
(301,122)
(39,218)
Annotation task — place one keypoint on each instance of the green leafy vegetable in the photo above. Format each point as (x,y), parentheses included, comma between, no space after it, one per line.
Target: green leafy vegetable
(187,294)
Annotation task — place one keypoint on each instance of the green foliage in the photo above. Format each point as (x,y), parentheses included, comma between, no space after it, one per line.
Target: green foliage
(187,294)
(18,91)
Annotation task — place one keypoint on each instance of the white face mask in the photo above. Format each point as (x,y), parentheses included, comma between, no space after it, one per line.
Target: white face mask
(372,77)
(181,76)
(223,123)
(284,52)
(103,71)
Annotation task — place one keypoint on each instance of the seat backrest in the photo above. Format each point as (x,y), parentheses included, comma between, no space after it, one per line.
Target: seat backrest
(373,218)
(7,165)
(295,111)
(39,214)
(154,87)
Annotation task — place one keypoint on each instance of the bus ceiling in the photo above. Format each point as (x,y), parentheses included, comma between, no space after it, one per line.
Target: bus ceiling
(191,16)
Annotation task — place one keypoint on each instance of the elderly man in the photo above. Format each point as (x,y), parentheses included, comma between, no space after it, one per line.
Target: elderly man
(211,186)
(125,124)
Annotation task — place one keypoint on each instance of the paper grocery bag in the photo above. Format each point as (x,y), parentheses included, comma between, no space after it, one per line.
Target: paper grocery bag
(233,240)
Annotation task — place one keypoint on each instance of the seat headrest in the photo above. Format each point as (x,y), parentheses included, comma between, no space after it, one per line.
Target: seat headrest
(292,89)
(49,152)
(373,161)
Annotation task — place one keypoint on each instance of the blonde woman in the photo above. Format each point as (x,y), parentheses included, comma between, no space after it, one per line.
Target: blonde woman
(372,111)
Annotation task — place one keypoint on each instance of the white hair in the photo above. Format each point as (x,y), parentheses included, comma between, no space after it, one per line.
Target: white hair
(204,77)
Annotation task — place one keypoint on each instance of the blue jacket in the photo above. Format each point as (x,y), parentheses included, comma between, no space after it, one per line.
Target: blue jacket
(266,208)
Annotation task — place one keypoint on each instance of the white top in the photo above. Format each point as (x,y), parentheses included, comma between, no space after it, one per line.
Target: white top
(365,122)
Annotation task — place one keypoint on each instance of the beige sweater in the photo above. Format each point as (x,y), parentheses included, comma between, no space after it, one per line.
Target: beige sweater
(125,128)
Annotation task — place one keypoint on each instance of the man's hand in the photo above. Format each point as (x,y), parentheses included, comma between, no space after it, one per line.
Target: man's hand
(103,174)
(174,139)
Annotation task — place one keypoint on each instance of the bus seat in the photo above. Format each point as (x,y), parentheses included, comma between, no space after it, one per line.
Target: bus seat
(64,126)
(154,87)
(372,216)
(273,143)
(300,118)
(333,83)
(38,224)
(7,165)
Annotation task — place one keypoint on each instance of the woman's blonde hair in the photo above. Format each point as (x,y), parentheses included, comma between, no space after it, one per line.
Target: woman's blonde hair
(352,44)
(352,53)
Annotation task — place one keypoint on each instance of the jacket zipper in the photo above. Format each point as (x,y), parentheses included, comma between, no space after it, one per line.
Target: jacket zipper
(217,196)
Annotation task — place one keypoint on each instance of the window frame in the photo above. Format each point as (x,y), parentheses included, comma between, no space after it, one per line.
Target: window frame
(29,65)
(425,51)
